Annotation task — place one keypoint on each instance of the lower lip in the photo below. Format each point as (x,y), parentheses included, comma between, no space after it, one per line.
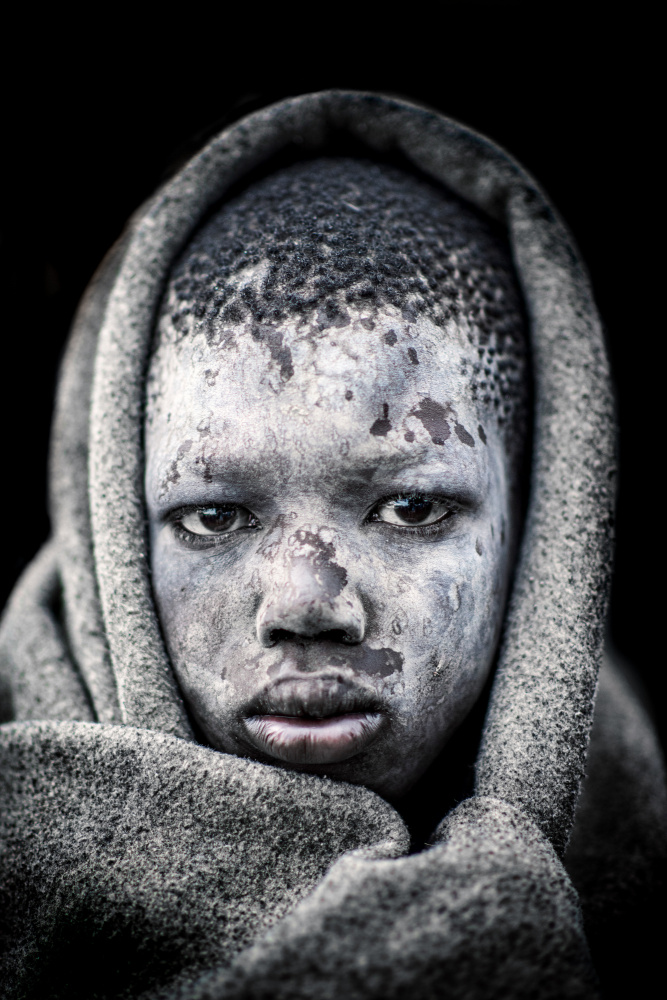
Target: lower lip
(313,741)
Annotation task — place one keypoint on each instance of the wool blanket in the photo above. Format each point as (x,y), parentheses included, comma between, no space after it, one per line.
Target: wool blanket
(136,862)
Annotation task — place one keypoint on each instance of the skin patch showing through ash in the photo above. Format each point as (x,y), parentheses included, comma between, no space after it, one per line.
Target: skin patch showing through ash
(463,435)
(331,577)
(379,662)
(280,352)
(434,418)
(383,662)
(382,426)
(174,475)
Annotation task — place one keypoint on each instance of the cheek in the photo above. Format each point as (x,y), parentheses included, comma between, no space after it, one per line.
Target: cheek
(203,606)
(444,617)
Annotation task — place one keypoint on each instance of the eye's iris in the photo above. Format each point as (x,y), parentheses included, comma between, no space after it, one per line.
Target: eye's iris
(413,510)
(217,518)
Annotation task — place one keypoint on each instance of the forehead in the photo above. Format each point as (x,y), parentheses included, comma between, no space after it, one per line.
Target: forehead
(292,400)
(288,374)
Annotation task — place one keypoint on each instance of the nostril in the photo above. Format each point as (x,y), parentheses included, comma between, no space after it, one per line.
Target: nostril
(334,635)
(327,635)
(281,635)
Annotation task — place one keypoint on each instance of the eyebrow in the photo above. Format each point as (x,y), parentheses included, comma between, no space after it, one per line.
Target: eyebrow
(239,463)
(243,479)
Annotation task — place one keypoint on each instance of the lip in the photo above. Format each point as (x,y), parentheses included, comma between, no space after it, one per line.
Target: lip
(313,719)
(299,740)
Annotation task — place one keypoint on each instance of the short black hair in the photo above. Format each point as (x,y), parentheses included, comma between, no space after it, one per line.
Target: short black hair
(325,235)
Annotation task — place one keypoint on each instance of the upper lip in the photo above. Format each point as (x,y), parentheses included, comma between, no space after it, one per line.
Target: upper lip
(315,696)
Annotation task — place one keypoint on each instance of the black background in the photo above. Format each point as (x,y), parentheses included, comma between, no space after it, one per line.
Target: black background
(98,112)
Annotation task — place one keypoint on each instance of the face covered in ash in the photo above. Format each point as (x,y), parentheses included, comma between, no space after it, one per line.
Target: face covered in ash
(329,482)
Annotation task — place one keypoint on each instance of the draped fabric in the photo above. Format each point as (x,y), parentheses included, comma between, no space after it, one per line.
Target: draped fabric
(168,858)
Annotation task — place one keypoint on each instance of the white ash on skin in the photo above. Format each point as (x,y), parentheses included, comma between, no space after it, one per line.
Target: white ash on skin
(330,550)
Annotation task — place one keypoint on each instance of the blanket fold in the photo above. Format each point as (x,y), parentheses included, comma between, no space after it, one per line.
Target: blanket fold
(487,912)
(183,873)
(129,856)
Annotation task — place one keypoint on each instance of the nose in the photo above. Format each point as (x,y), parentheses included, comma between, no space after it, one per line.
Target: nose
(308,596)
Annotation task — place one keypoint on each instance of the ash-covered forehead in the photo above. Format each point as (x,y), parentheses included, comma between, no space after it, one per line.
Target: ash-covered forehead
(324,241)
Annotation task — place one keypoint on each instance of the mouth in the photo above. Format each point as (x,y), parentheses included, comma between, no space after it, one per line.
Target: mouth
(313,720)
(299,740)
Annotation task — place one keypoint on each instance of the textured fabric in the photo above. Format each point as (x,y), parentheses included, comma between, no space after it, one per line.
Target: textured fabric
(179,854)
(618,847)
(487,912)
(159,859)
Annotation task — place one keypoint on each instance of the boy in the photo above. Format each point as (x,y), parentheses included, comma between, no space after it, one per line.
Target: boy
(286,504)
(335,416)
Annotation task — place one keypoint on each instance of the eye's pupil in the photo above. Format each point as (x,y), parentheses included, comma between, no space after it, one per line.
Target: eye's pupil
(413,510)
(217,518)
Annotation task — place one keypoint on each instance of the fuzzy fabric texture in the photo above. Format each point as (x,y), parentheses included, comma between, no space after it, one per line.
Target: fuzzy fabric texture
(122,836)
(154,857)
(457,920)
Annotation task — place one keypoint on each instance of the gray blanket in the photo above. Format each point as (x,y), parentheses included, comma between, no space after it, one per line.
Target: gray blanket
(136,862)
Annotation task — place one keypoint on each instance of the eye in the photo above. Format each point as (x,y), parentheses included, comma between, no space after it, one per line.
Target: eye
(218,520)
(414,510)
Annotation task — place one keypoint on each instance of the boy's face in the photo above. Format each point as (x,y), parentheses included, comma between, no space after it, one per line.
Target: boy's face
(330,521)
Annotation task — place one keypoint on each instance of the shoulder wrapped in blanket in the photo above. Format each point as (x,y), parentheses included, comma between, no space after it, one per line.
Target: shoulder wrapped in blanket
(138,863)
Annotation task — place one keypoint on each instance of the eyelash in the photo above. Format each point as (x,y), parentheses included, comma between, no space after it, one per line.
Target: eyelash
(194,541)
(421,530)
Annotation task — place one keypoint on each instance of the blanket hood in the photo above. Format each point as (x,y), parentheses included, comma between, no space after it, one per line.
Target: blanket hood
(80,638)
